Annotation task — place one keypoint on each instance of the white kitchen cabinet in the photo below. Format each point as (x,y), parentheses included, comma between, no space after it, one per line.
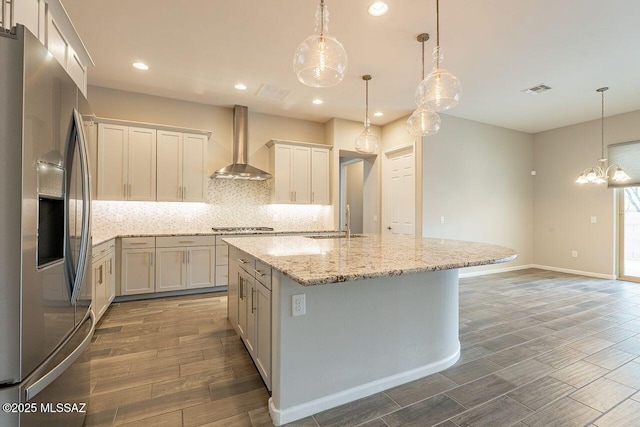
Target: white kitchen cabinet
(320,176)
(126,163)
(181,160)
(103,277)
(137,266)
(50,23)
(233,289)
(301,172)
(185,262)
(253,302)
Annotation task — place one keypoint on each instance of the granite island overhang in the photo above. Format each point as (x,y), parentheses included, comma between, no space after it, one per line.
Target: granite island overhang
(381,311)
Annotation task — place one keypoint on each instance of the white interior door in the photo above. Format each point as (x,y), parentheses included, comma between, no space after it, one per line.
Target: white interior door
(399,203)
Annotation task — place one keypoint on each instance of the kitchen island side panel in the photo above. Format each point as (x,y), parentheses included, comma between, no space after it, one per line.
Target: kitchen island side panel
(360,337)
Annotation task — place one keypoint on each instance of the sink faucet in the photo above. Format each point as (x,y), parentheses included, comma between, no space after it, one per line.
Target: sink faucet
(348,223)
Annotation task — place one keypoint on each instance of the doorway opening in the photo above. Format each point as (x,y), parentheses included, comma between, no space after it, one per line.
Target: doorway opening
(352,192)
(629,253)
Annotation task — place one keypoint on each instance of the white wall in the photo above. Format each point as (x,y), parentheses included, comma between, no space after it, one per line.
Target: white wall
(478,177)
(354,180)
(563,209)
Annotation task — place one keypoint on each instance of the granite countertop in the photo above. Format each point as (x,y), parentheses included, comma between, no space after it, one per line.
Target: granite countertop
(98,239)
(311,261)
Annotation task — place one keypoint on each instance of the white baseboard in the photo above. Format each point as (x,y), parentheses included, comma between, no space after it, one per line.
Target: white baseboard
(576,272)
(287,415)
(495,270)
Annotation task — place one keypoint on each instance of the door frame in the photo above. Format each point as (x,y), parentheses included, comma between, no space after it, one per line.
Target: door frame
(620,252)
(417,167)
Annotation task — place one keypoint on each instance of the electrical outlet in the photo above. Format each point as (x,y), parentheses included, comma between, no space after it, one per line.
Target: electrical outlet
(574,254)
(594,219)
(441,220)
(298,305)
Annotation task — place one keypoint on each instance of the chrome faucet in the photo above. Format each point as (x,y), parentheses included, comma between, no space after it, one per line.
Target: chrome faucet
(348,223)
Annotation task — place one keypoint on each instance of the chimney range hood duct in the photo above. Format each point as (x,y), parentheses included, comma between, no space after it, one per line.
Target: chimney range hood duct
(239,169)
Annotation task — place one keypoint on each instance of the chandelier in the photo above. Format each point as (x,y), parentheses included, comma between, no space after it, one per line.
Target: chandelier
(599,174)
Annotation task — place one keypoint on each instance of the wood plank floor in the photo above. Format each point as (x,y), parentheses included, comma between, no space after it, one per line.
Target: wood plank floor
(539,348)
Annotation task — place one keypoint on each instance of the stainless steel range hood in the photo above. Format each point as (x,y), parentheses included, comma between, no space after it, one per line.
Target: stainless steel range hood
(239,169)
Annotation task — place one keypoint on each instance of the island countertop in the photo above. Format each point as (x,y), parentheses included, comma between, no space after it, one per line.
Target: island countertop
(311,261)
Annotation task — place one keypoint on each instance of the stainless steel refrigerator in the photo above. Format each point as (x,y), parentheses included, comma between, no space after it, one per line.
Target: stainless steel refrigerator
(46,322)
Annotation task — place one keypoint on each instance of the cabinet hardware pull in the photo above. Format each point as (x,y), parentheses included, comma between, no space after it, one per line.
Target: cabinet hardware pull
(252,298)
(259,272)
(188,257)
(110,265)
(100,280)
(152,258)
(186,241)
(138,243)
(242,261)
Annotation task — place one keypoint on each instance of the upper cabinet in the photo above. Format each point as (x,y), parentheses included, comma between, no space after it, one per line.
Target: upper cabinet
(150,162)
(48,20)
(181,165)
(300,172)
(126,163)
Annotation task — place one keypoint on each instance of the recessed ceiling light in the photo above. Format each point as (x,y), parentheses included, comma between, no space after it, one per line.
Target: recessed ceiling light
(317,101)
(378,114)
(378,8)
(140,66)
(240,86)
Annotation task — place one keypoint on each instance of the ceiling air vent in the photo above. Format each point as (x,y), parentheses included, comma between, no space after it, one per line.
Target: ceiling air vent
(272,92)
(537,89)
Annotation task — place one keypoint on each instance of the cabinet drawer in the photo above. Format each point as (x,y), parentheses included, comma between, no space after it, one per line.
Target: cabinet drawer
(246,262)
(138,242)
(103,248)
(176,241)
(262,273)
(222,255)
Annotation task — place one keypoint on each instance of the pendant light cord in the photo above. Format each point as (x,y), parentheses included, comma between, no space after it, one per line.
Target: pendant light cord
(322,17)
(602,126)
(438,33)
(423,59)
(366,108)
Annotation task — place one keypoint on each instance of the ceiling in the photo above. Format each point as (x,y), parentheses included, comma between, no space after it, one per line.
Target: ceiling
(198,49)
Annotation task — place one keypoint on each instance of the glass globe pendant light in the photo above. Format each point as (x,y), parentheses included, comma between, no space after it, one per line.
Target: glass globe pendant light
(367,141)
(423,121)
(320,60)
(440,90)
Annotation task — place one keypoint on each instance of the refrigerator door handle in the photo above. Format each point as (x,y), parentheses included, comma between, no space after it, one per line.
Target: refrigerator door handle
(83,259)
(35,388)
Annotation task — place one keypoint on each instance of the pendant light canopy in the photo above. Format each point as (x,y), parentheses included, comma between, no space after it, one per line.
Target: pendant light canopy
(423,121)
(367,141)
(599,174)
(440,90)
(320,60)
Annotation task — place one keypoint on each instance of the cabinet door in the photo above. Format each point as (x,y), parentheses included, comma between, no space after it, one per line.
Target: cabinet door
(170,269)
(113,143)
(263,332)
(110,285)
(283,192)
(223,272)
(301,175)
(244,286)
(251,331)
(98,277)
(142,164)
(232,291)
(194,167)
(320,176)
(137,271)
(201,261)
(169,163)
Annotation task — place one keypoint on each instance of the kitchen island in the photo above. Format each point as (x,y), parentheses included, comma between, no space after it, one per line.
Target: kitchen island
(332,320)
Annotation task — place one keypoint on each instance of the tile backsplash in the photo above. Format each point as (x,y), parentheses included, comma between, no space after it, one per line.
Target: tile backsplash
(230,203)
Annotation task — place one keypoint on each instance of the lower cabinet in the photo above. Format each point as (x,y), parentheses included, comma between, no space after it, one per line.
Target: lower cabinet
(103,277)
(250,308)
(137,269)
(163,264)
